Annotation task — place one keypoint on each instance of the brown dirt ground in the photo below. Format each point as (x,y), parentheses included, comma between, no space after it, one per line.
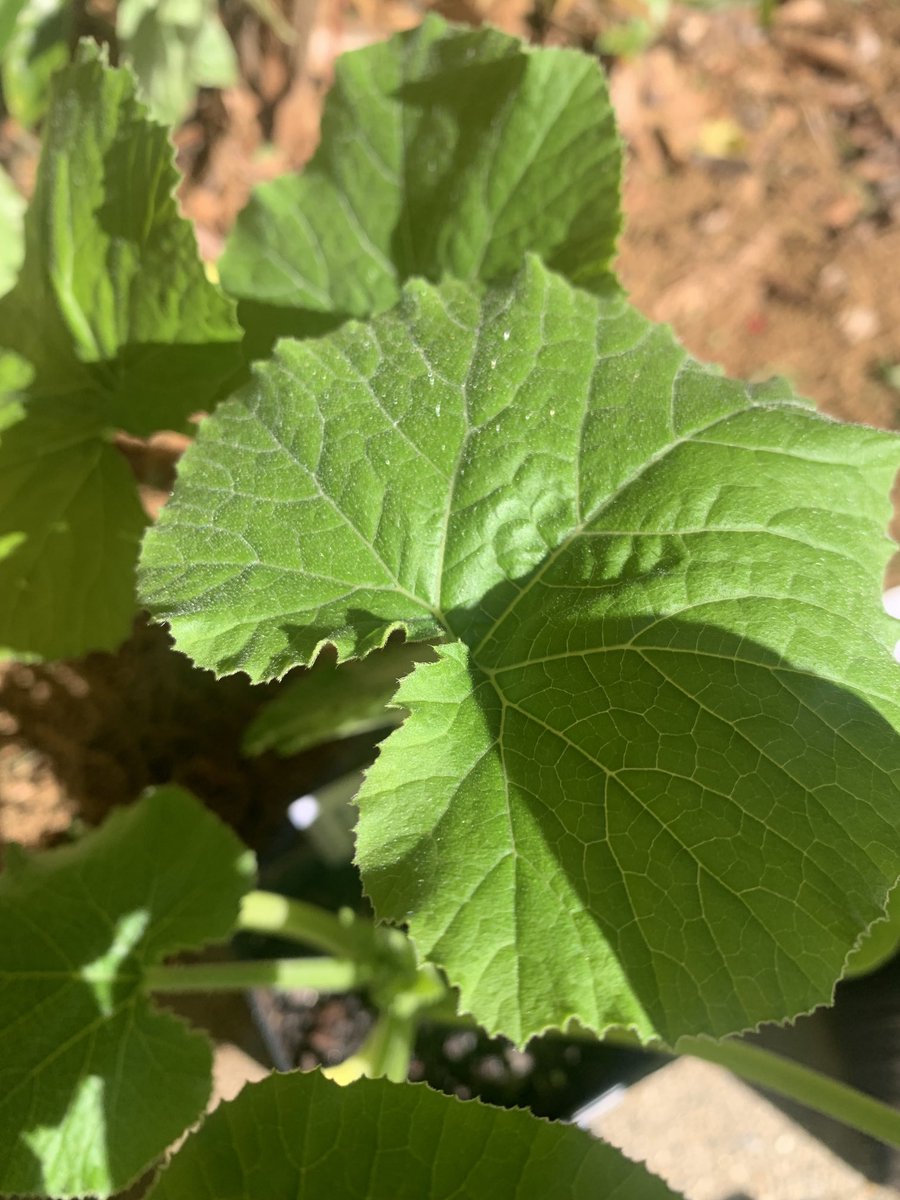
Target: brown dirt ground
(763,221)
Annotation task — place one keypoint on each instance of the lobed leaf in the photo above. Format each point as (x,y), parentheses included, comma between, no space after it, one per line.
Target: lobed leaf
(122,330)
(299,1136)
(94,1083)
(653,779)
(112,297)
(445,151)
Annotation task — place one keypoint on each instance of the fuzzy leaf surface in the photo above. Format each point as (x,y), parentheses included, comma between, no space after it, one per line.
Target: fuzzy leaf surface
(653,778)
(445,151)
(374,1138)
(94,1082)
(122,331)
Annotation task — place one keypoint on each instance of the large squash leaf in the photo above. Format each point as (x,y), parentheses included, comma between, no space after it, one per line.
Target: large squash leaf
(303,1137)
(445,151)
(653,779)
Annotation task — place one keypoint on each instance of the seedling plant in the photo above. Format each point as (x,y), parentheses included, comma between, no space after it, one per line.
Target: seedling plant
(647,778)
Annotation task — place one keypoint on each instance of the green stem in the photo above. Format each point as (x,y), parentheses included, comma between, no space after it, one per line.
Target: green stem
(808,1087)
(387,1052)
(316,974)
(336,934)
(390,1046)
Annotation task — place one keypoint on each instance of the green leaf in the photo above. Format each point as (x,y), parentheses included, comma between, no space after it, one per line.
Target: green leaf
(445,151)
(36,47)
(175,48)
(122,331)
(879,944)
(113,297)
(12,209)
(330,701)
(70,529)
(9,13)
(380,1139)
(653,780)
(94,1083)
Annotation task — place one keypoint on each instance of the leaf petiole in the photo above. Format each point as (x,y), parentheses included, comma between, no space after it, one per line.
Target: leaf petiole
(342,934)
(316,974)
(797,1082)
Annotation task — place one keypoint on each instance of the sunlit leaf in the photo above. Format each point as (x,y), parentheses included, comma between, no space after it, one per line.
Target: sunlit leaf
(653,778)
(94,1082)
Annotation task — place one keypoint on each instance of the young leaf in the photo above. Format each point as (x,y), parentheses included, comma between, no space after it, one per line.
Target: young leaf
(113,297)
(330,702)
(175,47)
(122,331)
(300,1135)
(35,47)
(654,780)
(444,151)
(94,1083)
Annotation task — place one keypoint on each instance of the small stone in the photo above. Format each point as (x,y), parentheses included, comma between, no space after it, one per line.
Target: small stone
(859,324)
(833,279)
(868,45)
(843,211)
(809,13)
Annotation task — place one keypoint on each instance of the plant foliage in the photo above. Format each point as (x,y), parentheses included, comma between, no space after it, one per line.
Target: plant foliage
(376,1138)
(34,45)
(333,701)
(122,331)
(594,809)
(95,1082)
(649,773)
(174,47)
(444,151)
